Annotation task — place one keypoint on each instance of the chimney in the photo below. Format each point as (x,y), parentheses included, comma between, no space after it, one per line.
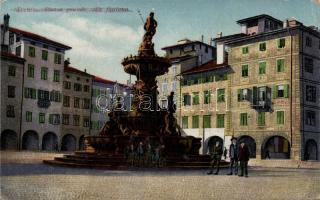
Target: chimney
(67,62)
(219,35)
(4,47)
(201,38)
(85,70)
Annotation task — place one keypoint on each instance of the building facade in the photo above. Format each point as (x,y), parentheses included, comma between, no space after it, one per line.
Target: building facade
(184,55)
(274,96)
(204,102)
(76,110)
(12,68)
(42,88)
(104,98)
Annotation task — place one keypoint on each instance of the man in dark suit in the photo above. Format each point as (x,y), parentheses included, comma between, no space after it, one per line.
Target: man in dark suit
(243,157)
(233,155)
(216,155)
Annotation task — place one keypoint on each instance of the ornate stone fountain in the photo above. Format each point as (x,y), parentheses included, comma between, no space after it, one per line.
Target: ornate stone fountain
(145,122)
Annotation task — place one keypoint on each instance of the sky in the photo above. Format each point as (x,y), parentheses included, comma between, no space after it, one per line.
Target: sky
(100,40)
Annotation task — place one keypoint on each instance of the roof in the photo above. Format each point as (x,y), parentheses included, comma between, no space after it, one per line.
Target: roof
(38,37)
(11,56)
(209,66)
(248,19)
(229,37)
(181,58)
(188,42)
(106,81)
(75,70)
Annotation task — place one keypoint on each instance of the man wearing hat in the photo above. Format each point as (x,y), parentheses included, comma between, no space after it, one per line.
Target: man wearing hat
(243,157)
(233,155)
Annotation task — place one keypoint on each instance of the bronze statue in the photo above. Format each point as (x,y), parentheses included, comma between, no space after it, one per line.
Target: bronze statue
(146,47)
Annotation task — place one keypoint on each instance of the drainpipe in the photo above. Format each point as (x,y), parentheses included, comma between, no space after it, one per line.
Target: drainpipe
(91,94)
(291,87)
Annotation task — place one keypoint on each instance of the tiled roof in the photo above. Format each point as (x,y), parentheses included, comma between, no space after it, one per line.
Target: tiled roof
(38,37)
(75,70)
(258,17)
(185,44)
(106,81)
(12,56)
(211,65)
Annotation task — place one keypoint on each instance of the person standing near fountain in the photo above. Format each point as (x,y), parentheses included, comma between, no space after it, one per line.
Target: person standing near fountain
(216,155)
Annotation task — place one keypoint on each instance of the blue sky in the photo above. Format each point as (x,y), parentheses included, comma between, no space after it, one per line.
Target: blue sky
(101,40)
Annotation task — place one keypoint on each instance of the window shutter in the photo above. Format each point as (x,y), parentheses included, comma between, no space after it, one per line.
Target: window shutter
(274,92)
(286,91)
(239,94)
(254,95)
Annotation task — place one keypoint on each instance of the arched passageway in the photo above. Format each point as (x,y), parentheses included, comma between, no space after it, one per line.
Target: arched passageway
(68,143)
(30,140)
(276,147)
(311,150)
(50,142)
(9,140)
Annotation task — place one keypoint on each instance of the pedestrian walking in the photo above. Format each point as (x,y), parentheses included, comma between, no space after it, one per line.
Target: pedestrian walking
(140,153)
(243,157)
(225,152)
(216,155)
(233,155)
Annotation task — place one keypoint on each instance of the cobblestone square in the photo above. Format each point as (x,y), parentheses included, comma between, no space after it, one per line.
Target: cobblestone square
(23,176)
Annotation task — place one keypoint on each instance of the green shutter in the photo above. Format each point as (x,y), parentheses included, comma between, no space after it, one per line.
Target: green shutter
(278,43)
(274,91)
(207,121)
(195,121)
(286,91)
(254,95)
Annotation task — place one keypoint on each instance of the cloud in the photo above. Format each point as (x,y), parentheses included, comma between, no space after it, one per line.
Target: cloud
(98,47)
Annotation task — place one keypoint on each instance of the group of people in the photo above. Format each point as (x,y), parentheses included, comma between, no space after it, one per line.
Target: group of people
(237,154)
(145,155)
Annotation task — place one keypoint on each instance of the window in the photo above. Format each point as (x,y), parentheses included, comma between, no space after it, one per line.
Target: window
(54,119)
(28,116)
(56,76)
(308,41)
(42,118)
(308,63)
(280,65)
(207,97)
(18,51)
(262,68)
(311,93)
(12,70)
(245,50)
(262,46)
(243,94)
(32,51)
(86,88)
(174,86)
(77,87)
(44,73)
(221,94)
(66,101)
(261,118)
(220,120)
(55,96)
(311,118)
(280,117)
(86,103)
(195,98)
(76,102)
(43,94)
(86,122)
(57,58)
(184,121)
(65,119)
(30,93)
(244,70)
(10,111)
(186,100)
(164,86)
(44,55)
(17,39)
(76,120)
(67,85)
(280,91)
(206,50)
(281,43)
(206,121)
(30,71)
(243,119)
(195,121)
(11,91)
